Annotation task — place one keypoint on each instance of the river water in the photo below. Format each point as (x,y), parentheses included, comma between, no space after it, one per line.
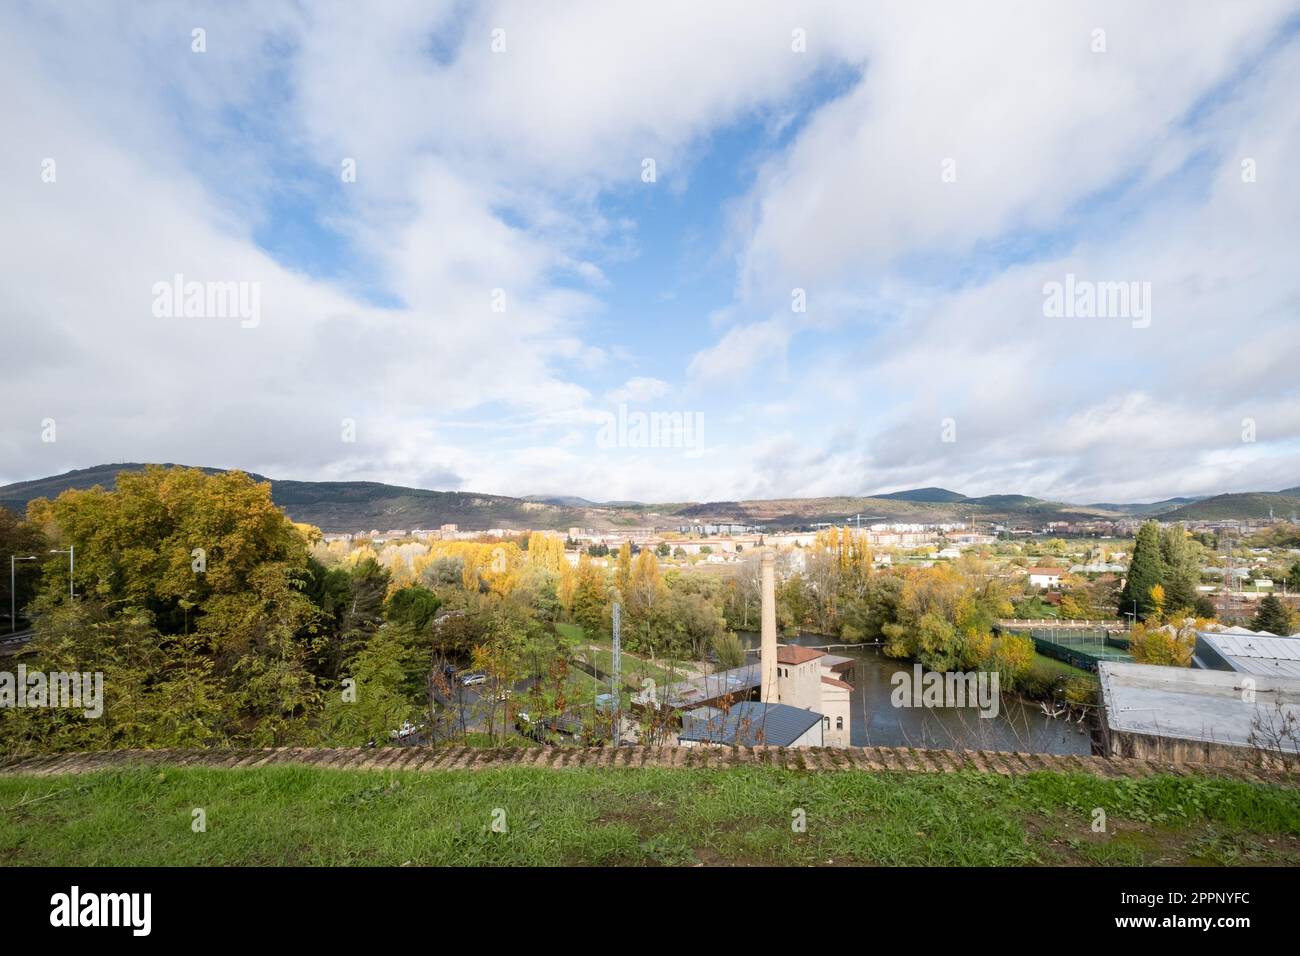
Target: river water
(876,722)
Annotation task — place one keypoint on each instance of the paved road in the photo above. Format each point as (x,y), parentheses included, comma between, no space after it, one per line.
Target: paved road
(14,643)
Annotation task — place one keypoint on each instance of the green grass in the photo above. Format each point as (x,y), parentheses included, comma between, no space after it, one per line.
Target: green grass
(637,817)
(633,667)
(573,632)
(1059,668)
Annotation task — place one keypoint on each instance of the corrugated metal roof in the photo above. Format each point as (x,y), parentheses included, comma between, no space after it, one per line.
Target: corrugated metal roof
(737,681)
(1250,653)
(750,724)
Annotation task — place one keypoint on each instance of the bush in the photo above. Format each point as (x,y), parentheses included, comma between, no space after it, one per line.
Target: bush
(730,651)
(1039,681)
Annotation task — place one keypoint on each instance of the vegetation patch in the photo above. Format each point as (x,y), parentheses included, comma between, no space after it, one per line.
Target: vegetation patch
(639,817)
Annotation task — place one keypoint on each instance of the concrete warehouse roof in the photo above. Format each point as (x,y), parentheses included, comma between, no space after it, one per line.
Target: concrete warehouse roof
(1187,704)
(750,724)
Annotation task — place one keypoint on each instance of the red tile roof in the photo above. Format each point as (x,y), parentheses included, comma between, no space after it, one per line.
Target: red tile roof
(793,654)
(836,683)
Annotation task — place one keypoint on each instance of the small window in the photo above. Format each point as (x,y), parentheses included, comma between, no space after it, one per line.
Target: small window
(828,722)
(839,723)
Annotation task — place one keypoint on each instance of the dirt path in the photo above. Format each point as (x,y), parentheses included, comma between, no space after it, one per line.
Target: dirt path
(871,759)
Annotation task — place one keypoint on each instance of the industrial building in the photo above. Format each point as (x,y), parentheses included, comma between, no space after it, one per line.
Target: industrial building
(751,724)
(1182,714)
(1247,652)
(803,698)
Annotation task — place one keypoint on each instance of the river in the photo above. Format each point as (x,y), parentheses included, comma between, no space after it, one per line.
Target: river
(876,722)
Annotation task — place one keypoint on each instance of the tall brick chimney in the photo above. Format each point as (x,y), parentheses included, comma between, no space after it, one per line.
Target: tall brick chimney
(767,658)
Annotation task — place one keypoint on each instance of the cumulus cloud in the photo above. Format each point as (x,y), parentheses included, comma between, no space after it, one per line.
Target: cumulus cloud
(453,302)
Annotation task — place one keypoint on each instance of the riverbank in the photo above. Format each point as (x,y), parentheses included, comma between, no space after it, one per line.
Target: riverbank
(298,815)
(1020,723)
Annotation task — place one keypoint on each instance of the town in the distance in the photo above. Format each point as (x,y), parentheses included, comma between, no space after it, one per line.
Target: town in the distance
(1118,630)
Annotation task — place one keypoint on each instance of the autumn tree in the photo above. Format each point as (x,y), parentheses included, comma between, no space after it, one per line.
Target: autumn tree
(1171,645)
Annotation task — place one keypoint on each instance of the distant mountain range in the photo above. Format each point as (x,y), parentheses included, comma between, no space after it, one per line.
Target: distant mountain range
(371,505)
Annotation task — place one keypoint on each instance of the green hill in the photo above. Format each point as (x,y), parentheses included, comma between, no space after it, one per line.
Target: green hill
(346,505)
(922,494)
(372,505)
(1249,504)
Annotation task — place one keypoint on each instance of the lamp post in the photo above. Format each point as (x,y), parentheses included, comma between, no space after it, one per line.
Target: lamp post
(13,593)
(69,551)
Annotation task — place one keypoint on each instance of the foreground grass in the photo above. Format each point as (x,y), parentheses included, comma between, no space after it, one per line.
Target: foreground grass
(298,815)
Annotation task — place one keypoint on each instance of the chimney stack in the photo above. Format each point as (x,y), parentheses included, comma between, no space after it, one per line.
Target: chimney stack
(767,659)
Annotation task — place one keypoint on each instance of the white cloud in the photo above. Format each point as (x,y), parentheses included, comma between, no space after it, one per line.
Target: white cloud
(480,172)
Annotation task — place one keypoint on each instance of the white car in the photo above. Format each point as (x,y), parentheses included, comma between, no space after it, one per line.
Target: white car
(406,730)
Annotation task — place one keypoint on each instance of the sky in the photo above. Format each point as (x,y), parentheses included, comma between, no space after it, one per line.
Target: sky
(661,252)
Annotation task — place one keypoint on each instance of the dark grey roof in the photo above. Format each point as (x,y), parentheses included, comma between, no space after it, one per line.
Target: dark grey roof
(735,683)
(750,724)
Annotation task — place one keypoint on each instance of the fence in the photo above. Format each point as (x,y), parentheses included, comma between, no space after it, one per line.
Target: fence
(1077,647)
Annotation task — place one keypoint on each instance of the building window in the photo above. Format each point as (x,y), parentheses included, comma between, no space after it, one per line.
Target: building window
(828,722)
(839,723)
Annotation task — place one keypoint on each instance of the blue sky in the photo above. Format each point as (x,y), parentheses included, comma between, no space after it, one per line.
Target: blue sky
(800,151)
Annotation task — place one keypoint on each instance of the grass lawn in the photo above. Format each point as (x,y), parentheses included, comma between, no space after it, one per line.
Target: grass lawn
(1059,668)
(571,631)
(637,817)
(634,668)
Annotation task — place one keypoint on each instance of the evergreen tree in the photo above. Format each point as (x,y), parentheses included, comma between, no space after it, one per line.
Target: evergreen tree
(1145,571)
(1273,617)
(1182,573)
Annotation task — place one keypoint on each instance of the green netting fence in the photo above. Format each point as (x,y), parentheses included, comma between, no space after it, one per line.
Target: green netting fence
(1078,648)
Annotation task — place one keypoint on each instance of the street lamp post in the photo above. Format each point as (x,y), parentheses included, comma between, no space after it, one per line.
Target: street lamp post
(13,592)
(70,552)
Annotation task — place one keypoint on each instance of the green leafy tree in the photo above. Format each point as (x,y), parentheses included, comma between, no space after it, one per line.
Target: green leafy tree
(20,538)
(414,606)
(729,650)
(377,701)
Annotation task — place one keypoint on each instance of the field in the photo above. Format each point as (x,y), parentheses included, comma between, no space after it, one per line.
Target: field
(637,817)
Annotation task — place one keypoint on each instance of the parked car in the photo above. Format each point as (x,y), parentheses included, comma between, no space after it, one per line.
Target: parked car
(549,730)
(473,677)
(406,730)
